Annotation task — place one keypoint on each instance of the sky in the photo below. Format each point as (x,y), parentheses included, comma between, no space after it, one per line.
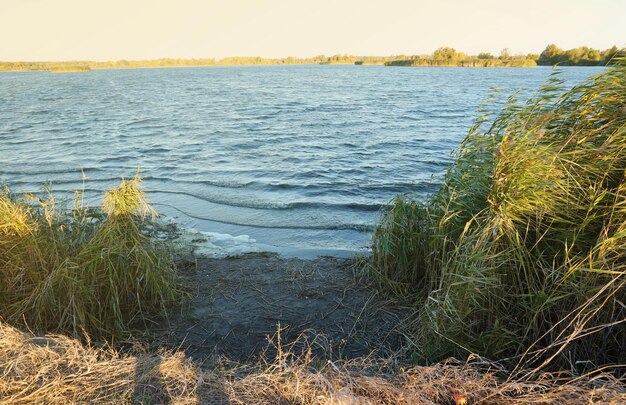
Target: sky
(52,30)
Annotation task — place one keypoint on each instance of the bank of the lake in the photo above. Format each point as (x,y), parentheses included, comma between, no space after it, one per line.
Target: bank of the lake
(495,262)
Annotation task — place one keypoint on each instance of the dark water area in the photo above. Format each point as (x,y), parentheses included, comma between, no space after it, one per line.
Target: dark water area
(299,157)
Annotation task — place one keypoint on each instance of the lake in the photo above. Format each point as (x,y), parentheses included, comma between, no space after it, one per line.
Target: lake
(294,157)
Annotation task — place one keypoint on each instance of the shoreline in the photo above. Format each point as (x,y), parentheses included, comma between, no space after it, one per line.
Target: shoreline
(298,64)
(217,244)
(184,67)
(264,64)
(441,57)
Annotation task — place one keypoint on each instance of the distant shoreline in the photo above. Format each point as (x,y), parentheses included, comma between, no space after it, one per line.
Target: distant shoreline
(91,68)
(243,65)
(442,57)
(60,68)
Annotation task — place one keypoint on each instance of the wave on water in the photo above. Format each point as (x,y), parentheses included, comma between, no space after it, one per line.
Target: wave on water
(300,155)
(319,224)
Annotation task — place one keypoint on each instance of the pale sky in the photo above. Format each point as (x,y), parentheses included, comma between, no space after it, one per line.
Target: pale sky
(147,29)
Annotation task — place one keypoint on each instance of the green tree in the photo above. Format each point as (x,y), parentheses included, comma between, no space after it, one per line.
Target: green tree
(445,53)
(573,56)
(550,56)
(609,54)
(591,58)
(532,56)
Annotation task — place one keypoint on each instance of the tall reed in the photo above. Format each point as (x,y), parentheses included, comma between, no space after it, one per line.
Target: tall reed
(522,252)
(80,271)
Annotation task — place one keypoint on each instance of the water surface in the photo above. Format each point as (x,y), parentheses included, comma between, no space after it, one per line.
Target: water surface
(293,156)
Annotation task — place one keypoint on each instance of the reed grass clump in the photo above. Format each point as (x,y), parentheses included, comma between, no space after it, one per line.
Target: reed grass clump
(522,252)
(81,271)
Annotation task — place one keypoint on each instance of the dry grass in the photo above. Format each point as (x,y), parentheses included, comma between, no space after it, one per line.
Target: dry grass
(59,370)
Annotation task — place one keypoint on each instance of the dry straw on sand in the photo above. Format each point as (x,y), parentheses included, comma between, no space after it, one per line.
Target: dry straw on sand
(60,370)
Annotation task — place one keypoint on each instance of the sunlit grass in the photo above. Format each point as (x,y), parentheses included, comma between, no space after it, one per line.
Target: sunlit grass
(60,370)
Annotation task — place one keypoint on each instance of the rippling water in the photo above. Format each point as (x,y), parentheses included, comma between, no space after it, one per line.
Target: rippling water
(294,156)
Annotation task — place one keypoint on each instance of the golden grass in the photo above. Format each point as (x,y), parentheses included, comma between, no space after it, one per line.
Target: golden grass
(59,370)
(127,200)
(15,219)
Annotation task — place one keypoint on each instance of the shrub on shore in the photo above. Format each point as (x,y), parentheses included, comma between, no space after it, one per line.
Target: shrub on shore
(522,252)
(82,271)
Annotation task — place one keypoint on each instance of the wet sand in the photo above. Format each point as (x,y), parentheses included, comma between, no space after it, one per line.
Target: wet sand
(237,305)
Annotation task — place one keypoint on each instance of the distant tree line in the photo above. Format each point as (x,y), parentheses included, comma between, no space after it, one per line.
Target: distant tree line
(444,56)
(70,68)
(552,55)
(173,62)
(581,56)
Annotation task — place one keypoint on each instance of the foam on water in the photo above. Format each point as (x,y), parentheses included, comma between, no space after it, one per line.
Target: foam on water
(192,242)
(213,244)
